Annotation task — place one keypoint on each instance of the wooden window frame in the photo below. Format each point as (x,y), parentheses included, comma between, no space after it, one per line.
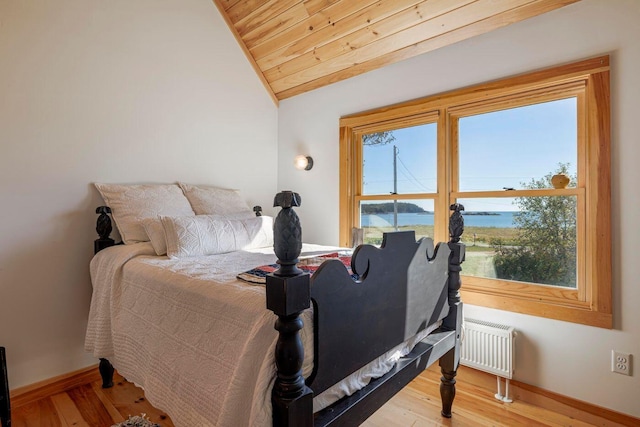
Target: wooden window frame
(586,80)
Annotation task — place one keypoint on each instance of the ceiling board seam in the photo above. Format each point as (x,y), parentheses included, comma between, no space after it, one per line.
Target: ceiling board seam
(241,9)
(229,5)
(313,26)
(269,31)
(266,12)
(320,5)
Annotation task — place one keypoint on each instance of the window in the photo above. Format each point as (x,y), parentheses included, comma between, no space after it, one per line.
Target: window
(398,180)
(529,159)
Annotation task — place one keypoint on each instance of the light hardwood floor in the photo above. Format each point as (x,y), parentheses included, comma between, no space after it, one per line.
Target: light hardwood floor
(417,405)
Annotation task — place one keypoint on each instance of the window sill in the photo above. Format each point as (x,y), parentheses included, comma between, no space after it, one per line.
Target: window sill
(574,312)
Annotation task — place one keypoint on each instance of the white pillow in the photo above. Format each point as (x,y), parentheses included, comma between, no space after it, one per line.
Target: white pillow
(206,200)
(210,234)
(155,230)
(130,204)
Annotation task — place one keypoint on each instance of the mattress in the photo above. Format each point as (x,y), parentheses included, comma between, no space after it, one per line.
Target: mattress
(198,340)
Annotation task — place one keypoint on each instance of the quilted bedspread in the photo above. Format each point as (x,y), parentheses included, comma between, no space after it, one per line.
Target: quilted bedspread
(196,339)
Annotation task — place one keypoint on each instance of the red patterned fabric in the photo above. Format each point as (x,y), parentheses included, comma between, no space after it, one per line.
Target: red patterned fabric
(308,265)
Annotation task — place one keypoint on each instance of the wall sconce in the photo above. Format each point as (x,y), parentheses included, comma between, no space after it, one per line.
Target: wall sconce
(303,162)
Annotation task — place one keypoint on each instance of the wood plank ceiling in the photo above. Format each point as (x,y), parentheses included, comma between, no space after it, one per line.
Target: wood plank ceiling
(300,45)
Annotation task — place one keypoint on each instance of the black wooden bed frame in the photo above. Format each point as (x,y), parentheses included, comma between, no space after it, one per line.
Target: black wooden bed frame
(369,315)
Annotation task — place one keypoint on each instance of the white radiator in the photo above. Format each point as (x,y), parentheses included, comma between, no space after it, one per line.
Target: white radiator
(489,347)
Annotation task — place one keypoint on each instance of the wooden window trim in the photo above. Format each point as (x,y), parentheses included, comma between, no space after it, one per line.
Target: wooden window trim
(588,80)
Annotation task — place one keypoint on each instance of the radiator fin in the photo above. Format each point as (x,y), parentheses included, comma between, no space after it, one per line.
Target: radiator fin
(488,347)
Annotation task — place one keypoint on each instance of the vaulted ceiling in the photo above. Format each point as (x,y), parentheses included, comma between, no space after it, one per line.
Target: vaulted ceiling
(299,45)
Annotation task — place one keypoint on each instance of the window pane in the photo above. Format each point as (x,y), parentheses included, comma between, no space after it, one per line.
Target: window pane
(377,217)
(511,148)
(401,161)
(526,239)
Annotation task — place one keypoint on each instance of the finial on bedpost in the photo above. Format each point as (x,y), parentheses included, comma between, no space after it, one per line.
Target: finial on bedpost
(450,361)
(103,227)
(288,294)
(287,233)
(456,228)
(456,222)
(257,210)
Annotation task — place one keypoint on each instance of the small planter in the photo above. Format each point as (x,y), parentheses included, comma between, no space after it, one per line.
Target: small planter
(560,180)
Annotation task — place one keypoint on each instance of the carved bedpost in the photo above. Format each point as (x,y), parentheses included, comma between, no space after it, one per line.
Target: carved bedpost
(449,362)
(106,373)
(288,294)
(5,400)
(103,227)
(456,228)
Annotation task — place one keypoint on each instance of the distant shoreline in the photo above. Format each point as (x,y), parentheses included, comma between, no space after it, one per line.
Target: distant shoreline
(389,208)
(479,237)
(480,213)
(473,218)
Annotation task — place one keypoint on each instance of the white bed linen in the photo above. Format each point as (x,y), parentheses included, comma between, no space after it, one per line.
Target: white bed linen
(199,341)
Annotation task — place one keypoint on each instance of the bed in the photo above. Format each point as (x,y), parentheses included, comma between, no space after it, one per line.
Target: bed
(203,345)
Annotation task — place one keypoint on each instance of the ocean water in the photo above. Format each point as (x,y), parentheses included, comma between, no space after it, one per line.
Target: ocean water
(501,220)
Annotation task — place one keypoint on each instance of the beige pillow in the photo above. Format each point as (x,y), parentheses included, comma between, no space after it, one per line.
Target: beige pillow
(211,234)
(207,200)
(154,229)
(130,204)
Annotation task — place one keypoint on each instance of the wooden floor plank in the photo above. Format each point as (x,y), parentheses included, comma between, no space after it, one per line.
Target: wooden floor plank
(130,400)
(68,412)
(40,413)
(90,406)
(116,416)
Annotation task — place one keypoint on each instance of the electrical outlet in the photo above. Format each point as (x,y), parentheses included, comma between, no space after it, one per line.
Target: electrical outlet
(620,362)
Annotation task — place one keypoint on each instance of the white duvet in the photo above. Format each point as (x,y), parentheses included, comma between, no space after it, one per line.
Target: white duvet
(199,341)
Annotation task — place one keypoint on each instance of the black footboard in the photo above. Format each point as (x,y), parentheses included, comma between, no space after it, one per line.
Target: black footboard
(362,320)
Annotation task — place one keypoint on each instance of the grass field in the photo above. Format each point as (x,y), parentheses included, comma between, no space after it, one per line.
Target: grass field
(478,241)
(478,237)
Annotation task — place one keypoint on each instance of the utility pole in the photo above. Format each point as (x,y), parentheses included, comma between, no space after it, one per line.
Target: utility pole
(395,186)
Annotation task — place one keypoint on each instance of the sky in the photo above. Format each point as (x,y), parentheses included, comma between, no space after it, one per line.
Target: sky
(499,149)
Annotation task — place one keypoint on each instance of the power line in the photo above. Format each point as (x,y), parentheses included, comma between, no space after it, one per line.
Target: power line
(417,181)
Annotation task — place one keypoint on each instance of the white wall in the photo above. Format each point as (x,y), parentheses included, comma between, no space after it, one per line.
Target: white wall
(570,359)
(108,91)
